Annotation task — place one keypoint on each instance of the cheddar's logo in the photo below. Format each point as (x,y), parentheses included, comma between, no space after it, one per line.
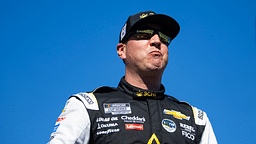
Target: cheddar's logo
(176,114)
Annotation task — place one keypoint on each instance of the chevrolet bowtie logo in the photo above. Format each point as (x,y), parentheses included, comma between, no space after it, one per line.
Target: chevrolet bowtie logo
(176,114)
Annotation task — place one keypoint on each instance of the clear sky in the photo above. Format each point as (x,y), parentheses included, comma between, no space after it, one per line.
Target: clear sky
(53,49)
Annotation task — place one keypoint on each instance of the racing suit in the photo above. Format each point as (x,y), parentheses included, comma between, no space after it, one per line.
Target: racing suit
(130,115)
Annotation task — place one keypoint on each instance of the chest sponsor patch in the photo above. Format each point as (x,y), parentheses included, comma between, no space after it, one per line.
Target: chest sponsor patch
(107,119)
(169,125)
(108,131)
(176,114)
(100,126)
(188,135)
(188,131)
(187,127)
(117,108)
(134,119)
(134,126)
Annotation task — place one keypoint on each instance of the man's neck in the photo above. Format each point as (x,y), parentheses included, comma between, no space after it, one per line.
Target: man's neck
(146,82)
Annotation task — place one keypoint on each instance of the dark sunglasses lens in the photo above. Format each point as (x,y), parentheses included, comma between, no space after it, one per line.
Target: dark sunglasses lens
(147,34)
(145,31)
(164,38)
(144,34)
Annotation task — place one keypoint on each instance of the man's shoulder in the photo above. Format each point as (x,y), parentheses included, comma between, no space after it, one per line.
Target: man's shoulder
(172,98)
(95,92)
(90,99)
(104,89)
(199,115)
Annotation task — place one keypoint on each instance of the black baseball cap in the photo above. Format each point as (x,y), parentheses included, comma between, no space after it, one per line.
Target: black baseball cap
(170,25)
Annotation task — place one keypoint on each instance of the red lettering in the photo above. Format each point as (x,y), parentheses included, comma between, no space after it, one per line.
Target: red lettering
(134,126)
(61,119)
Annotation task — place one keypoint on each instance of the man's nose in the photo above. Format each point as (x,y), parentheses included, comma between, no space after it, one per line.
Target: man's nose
(155,41)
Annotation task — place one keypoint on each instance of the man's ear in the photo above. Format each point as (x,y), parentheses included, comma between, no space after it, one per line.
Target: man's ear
(121,50)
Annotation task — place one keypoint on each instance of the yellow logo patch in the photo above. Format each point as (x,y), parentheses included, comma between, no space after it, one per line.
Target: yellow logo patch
(143,16)
(145,93)
(153,137)
(176,114)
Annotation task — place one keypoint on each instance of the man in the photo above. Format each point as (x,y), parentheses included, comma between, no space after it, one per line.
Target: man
(137,111)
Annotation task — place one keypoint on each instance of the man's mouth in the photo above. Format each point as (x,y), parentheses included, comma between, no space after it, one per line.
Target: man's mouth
(156,53)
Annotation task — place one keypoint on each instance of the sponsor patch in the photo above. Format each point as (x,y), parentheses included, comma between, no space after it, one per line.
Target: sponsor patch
(200,114)
(176,114)
(87,98)
(108,131)
(188,135)
(187,128)
(100,126)
(101,119)
(134,119)
(187,131)
(117,108)
(56,127)
(145,93)
(61,119)
(134,126)
(169,125)
(145,15)
(123,33)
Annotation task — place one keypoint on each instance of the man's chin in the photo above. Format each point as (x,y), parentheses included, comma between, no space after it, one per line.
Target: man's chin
(156,68)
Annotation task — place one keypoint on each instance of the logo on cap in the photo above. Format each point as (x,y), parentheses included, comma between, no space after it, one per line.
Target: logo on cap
(145,15)
(123,32)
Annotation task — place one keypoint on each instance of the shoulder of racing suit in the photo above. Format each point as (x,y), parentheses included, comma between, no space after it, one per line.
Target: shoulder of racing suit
(90,102)
(199,115)
(202,121)
(88,98)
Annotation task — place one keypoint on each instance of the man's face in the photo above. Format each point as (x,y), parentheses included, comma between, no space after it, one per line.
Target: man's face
(146,54)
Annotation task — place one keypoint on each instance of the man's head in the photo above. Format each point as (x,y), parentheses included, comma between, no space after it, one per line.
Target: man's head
(143,42)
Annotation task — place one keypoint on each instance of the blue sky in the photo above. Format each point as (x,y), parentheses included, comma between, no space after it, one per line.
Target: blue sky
(53,49)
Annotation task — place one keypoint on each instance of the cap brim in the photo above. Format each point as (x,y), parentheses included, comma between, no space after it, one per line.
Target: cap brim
(170,25)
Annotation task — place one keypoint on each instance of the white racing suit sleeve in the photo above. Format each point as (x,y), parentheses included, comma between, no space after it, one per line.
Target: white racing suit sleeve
(208,136)
(73,124)
(201,118)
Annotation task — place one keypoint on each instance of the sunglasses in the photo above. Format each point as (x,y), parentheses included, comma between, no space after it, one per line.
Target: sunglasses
(148,34)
